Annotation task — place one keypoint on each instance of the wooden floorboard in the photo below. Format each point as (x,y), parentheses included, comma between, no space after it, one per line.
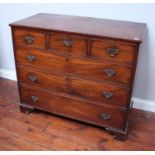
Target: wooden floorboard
(42,131)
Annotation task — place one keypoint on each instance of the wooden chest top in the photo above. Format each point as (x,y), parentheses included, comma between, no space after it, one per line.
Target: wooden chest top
(121,30)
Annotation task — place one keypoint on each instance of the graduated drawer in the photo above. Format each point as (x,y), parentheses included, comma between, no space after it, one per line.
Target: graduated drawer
(101,93)
(84,67)
(40,58)
(30,38)
(93,91)
(43,79)
(114,51)
(68,43)
(101,71)
(72,108)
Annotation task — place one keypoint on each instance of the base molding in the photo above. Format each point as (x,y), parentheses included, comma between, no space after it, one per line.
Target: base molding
(25,109)
(141,104)
(137,103)
(119,135)
(7,74)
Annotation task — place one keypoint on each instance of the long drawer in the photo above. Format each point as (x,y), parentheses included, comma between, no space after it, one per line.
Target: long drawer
(84,67)
(102,93)
(72,108)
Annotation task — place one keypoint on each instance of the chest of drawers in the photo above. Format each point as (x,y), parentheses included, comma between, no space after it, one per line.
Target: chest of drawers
(78,67)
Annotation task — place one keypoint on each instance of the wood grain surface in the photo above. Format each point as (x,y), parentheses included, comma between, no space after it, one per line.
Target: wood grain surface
(129,31)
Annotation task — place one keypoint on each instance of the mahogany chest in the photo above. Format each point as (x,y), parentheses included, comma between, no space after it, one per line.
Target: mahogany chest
(78,67)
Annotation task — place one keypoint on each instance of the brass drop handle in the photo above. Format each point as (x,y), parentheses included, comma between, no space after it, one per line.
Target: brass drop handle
(33,78)
(34,98)
(67,42)
(112,51)
(29,39)
(31,58)
(110,72)
(105,116)
(107,95)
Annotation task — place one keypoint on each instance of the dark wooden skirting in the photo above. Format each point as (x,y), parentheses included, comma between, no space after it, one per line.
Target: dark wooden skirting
(43,131)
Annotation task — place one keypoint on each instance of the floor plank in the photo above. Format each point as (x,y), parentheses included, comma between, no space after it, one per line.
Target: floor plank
(42,131)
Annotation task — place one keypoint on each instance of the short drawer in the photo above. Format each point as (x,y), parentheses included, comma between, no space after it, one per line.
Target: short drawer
(29,38)
(43,79)
(72,108)
(66,43)
(114,51)
(100,92)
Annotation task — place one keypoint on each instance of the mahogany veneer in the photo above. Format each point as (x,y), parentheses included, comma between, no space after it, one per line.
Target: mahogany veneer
(78,67)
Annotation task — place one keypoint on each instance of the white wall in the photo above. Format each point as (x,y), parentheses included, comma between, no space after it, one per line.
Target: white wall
(144,87)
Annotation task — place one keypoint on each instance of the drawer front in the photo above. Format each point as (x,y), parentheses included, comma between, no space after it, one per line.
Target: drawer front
(70,44)
(76,109)
(43,79)
(115,51)
(38,58)
(93,91)
(29,38)
(99,92)
(102,71)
